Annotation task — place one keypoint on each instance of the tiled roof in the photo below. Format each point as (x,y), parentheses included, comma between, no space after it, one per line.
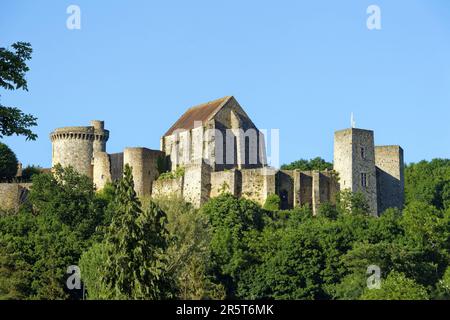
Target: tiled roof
(202,112)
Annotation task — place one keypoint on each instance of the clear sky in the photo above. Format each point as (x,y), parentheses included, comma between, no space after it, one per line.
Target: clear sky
(298,66)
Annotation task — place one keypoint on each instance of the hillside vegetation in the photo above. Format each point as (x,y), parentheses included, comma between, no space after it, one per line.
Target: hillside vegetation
(130,248)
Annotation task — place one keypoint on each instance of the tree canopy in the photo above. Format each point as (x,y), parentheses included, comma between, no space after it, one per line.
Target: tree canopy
(130,248)
(13,67)
(307,165)
(8,163)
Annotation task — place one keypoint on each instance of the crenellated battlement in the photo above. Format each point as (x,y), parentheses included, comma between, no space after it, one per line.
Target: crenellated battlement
(76,146)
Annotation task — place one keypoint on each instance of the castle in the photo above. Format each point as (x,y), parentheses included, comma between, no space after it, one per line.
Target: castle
(215,147)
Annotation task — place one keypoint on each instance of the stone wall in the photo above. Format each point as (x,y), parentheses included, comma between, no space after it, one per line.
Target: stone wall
(303,193)
(197,183)
(12,195)
(102,170)
(390,177)
(168,187)
(144,163)
(257,184)
(225,181)
(241,143)
(285,188)
(311,188)
(116,160)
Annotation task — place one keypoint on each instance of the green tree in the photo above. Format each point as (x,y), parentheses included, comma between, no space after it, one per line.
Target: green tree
(70,198)
(8,163)
(29,171)
(39,243)
(396,287)
(12,77)
(443,286)
(428,182)
(354,203)
(136,265)
(231,220)
(307,165)
(93,269)
(189,254)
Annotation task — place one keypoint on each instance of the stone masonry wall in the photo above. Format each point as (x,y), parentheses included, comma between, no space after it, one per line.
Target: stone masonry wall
(144,163)
(390,177)
(224,181)
(73,146)
(197,183)
(12,195)
(285,188)
(102,170)
(257,184)
(168,187)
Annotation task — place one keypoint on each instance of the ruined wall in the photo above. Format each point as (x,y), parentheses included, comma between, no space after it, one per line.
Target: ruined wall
(324,189)
(197,183)
(168,187)
(225,181)
(390,177)
(13,195)
(303,185)
(102,170)
(257,184)
(285,188)
(116,161)
(312,188)
(144,163)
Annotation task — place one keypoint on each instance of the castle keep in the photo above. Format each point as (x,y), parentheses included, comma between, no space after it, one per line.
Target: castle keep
(215,147)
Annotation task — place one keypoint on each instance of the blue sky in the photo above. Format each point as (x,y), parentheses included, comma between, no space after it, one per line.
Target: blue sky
(298,66)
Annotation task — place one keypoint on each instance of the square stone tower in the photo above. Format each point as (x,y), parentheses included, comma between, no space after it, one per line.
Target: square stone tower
(390,177)
(354,160)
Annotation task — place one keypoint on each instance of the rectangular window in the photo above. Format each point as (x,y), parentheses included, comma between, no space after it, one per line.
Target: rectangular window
(363,180)
(363,152)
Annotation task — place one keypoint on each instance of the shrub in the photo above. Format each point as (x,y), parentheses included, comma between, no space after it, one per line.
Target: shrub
(272,202)
(179,172)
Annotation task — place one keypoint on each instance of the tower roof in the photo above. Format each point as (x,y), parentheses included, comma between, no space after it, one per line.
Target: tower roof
(202,112)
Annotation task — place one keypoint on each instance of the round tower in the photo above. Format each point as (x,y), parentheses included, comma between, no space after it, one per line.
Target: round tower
(75,146)
(101,136)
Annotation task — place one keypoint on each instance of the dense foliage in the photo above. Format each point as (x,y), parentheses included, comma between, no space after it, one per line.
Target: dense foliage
(307,165)
(29,171)
(8,163)
(12,77)
(130,248)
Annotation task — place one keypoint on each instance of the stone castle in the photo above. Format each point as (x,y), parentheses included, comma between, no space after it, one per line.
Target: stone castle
(215,147)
